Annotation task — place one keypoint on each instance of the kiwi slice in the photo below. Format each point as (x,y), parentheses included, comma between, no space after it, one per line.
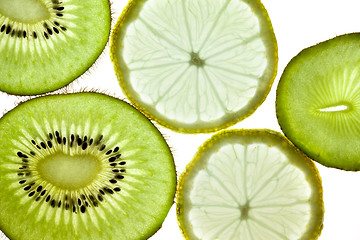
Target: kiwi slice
(318,102)
(46,44)
(82,166)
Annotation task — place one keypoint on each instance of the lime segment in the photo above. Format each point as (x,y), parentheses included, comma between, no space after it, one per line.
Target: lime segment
(250,185)
(195,66)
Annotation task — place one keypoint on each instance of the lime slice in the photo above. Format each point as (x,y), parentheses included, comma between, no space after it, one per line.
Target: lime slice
(250,184)
(195,65)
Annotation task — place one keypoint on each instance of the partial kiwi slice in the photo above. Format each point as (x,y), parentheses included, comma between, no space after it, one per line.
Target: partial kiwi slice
(82,166)
(318,102)
(46,44)
(250,185)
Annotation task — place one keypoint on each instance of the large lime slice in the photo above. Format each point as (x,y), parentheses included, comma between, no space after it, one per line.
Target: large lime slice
(195,66)
(250,185)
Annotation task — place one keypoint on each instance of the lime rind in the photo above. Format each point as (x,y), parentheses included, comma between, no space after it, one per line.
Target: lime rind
(183,110)
(189,190)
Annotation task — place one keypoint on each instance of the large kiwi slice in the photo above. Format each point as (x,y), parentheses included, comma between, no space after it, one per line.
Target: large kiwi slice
(318,102)
(46,44)
(82,166)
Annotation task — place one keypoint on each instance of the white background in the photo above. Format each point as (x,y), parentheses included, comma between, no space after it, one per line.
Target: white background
(297,24)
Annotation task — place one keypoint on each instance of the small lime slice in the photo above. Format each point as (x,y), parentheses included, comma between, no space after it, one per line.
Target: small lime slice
(250,185)
(195,66)
(318,102)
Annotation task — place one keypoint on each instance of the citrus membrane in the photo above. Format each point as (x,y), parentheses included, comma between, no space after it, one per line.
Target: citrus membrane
(250,184)
(318,102)
(195,65)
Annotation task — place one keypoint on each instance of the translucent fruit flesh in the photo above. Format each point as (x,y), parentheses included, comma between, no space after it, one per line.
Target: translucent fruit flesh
(250,185)
(195,66)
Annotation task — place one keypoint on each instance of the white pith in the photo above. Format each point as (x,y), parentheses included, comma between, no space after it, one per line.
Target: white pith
(166,80)
(248,192)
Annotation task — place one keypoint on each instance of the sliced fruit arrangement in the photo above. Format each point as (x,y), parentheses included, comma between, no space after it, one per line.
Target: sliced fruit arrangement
(195,65)
(46,44)
(82,166)
(250,184)
(318,102)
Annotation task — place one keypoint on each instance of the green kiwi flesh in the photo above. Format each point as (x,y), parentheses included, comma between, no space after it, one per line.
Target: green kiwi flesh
(82,166)
(318,102)
(46,44)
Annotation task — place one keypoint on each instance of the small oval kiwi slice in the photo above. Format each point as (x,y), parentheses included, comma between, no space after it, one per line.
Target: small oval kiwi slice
(82,166)
(46,44)
(318,102)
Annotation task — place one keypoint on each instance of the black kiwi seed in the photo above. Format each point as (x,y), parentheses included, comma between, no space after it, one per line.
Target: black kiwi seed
(43,193)
(49,144)
(117,189)
(22,181)
(109,152)
(56,30)
(53,203)
(85,138)
(48,198)
(102,192)
(31,194)
(58,139)
(99,140)
(59,14)
(112,181)
(3,28)
(19,154)
(79,202)
(119,176)
(39,188)
(37,199)
(35,35)
(56,23)
(83,196)
(49,31)
(79,141)
(84,146)
(27,188)
(43,145)
(67,206)
(115,170)
(119,155)
(46,35)
(100,198)
(113,164)
(86,204)
(109,190)
(112,159)
(50,136)
(20,174)
(12,33)
(33,142)
(64,140)
(74,209)
(59,204)
(102,147)
(116,149)
(57,134)
(19,34)
(122,163)
(8,29)
(24,34)
(32,153)
(82,209)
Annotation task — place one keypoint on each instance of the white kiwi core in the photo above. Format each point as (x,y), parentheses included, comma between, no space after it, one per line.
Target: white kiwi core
(69,172)
(24,11)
